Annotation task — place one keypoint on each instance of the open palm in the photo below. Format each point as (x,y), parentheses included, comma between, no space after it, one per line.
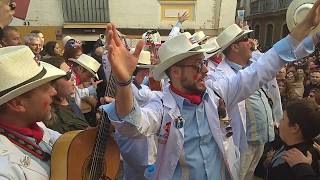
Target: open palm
(122,62)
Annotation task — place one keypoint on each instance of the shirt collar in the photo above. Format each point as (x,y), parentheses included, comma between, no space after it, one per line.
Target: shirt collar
(235,67)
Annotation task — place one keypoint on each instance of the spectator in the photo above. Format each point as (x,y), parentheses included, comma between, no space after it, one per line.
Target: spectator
(34,42)
(11,37)
(314,82)
(67,115)
(301,123)
(52,48)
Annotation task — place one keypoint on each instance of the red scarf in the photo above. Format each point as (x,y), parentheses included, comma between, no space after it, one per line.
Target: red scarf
(192,97)
(33,131)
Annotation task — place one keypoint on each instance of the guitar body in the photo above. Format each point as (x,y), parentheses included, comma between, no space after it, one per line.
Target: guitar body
(71,156)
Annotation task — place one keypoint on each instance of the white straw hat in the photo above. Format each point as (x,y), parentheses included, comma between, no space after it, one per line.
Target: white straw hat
(230,35)
(144,60)
(173,51)
(297,11)
(87,62)
(199,36)
(66,39)
(20,73)
(211,43)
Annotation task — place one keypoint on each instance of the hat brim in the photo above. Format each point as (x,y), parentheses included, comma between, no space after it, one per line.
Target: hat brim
(242,34)
(84,66)
(291,11)
(52,73)
(145,66)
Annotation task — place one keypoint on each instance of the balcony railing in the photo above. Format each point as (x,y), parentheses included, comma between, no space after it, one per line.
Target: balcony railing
(85,11)
(266,6)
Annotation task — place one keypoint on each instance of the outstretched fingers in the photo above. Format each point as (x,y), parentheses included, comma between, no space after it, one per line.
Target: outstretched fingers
(138,48)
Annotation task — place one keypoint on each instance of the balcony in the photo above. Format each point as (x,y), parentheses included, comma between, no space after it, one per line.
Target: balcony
(85,11)
(268,6)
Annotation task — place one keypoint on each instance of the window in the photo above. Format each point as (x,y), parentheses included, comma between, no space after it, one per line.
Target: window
(269,36)
(85,11)
(257,32)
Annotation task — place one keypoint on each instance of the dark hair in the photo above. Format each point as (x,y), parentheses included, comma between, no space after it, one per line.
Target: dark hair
(305,113)
(55,61)
(49,48)
(8,29)
(36,31)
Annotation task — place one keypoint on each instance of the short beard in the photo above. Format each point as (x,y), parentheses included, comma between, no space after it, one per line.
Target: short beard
(192,88)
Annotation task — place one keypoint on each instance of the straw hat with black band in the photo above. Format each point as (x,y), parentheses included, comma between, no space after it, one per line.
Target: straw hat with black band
(20,73)
(87,62)
(230,35)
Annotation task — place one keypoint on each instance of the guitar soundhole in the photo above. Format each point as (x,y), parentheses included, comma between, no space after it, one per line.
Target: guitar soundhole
(86,170)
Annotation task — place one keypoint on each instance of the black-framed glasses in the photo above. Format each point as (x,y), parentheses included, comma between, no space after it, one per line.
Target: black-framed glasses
(198,67)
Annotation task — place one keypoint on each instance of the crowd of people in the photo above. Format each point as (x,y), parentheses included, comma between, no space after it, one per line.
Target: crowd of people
(192,107)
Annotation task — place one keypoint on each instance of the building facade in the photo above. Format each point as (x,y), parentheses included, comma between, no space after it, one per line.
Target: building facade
(86,19)
(267,18)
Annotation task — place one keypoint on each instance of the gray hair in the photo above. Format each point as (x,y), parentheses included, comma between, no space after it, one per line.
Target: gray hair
(30,37)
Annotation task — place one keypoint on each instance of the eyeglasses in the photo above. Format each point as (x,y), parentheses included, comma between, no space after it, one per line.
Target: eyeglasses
(198,67)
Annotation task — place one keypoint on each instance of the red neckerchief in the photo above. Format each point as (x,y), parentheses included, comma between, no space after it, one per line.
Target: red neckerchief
(33,131)
(78,81)
(216,59)
(193,98)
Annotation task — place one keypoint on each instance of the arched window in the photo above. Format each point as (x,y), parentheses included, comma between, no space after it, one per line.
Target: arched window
(257,32)
(269,36)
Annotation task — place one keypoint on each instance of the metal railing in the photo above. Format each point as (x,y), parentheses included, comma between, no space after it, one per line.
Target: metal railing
(266,6)
(85,11)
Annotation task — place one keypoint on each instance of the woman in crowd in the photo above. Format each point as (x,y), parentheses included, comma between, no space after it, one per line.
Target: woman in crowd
(52,48)
(66,114)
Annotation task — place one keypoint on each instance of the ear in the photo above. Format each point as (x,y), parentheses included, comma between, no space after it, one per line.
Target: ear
(295,129)
(16,105)
(174,71)
(235,47)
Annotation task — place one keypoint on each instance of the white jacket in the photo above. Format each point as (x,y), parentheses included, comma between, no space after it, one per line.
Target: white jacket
(153,118)
(237,113)
(16,164)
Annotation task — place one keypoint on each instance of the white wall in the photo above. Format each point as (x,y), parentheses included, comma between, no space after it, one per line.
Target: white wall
(135,14)
(146,14)
(228,12)
(43,13)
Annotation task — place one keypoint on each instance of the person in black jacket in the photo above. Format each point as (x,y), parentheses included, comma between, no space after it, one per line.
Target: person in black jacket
(301,123)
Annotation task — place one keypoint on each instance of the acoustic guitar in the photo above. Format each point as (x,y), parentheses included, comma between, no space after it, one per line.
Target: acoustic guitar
(77,156)
(90,154)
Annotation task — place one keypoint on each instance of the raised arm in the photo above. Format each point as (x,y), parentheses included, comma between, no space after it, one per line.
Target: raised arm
(247,81)
(122,64)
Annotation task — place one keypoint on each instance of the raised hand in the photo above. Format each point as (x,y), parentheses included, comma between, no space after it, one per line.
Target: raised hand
(183,17)
(310,22)
(313,17)
(122,62)
(294,156)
